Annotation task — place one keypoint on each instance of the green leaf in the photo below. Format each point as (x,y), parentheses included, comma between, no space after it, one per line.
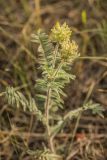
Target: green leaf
(98,110)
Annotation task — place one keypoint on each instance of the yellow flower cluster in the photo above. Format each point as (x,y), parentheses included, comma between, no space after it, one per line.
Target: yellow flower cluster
(62,34)
(69,50)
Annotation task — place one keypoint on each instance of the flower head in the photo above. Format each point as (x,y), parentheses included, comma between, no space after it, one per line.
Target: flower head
(69,50)
(61,33)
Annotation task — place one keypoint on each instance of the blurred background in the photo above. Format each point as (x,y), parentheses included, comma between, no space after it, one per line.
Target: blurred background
(18,67)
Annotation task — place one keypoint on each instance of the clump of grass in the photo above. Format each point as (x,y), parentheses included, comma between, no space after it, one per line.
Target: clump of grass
(56,55)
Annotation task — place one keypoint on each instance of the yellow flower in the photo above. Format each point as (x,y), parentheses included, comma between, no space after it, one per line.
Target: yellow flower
(60,33)
(69,50)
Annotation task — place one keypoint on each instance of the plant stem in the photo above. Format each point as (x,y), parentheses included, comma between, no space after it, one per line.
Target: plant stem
(57,70)
(47,106)
(93,58)
(55,54)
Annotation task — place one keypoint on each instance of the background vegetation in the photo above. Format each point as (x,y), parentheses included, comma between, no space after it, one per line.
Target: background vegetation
(18,67)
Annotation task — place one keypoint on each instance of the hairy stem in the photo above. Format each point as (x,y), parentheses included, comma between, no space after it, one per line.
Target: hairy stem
(57,70)
(47,106)
(54,55)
